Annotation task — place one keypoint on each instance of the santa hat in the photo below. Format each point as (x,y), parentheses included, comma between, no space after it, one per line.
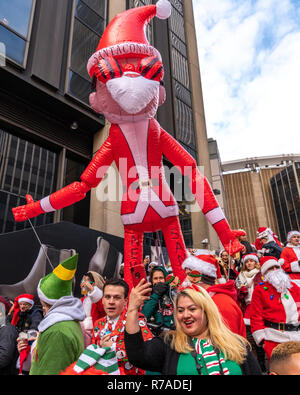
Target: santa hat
(264,232)
(252,256)
(58,283)
(125,35)
(266,262)
(206,264)
(28,298)
(239,232)
(291,234)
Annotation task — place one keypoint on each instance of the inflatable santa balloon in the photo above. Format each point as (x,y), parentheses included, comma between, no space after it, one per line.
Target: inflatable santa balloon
(128,77)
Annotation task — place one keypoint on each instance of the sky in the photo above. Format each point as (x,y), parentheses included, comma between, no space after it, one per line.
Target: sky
(249,54)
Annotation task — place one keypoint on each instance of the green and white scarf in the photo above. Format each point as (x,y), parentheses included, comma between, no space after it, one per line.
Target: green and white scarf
(101,358)
(213,362)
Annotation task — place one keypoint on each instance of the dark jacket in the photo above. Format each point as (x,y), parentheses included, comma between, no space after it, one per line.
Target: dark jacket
(157,356)
(272,249)
(30,319)
(8,349)
(159,310)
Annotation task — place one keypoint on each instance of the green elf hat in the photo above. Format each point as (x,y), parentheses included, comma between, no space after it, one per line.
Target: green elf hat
(58,283)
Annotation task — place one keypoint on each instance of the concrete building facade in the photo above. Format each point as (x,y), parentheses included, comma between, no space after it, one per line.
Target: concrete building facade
(250,201)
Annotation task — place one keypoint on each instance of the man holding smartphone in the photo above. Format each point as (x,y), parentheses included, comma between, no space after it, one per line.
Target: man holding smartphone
(109,330)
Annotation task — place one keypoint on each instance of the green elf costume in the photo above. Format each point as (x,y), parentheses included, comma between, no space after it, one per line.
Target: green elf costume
(60,341)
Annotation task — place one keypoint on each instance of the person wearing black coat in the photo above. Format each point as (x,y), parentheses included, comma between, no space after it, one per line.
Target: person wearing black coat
(8,337)
(26,315)
(201,344)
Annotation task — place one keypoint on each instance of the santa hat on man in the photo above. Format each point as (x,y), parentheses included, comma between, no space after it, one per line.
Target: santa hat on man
(125,36)
(28,298)
(291,234)
(267,233)
(266,262)
(207,265)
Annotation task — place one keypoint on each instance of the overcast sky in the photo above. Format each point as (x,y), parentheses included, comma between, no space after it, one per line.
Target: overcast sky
(249,52)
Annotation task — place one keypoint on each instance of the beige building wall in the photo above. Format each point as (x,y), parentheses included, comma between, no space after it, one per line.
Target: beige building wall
(249,201)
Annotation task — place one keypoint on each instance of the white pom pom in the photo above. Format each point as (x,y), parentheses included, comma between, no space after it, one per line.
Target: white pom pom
(163,9)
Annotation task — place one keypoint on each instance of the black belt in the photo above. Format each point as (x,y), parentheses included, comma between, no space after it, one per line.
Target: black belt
(282,326)
(153,182)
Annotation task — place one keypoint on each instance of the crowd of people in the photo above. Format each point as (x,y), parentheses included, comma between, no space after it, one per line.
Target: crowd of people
(231,315)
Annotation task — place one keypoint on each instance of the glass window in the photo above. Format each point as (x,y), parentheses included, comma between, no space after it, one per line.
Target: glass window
(25,166)
(89,24)
(15,16)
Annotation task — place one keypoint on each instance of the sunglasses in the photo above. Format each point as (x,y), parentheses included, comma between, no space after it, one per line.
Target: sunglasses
(109,68)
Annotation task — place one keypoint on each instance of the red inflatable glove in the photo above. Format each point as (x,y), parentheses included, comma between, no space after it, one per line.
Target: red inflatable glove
(64,197)
(233,246)
(29,210)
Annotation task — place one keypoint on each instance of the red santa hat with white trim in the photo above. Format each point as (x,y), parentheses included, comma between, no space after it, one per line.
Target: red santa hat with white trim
(252,256)
(207,264)
(125,36)
(266,262)
(291,234)
(28,298)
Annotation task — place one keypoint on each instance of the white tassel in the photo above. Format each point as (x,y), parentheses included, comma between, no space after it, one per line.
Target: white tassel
(163,9)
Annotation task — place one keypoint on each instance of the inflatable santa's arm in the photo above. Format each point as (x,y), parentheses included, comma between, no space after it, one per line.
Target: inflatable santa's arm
(202,191)
(72,193)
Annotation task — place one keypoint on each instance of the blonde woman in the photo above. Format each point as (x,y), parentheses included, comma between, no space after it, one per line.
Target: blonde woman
(248,278)
(201,344)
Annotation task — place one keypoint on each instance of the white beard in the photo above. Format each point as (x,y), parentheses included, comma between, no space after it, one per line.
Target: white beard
(279,279)
(133,94)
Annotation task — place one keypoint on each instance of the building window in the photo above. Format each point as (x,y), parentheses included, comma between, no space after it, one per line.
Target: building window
(88,27)
(185,132)
(25,168)
(15,28)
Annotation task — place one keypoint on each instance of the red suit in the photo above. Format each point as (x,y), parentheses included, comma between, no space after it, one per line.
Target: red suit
(269,305)
(128,74)
(225,297)
(291,265)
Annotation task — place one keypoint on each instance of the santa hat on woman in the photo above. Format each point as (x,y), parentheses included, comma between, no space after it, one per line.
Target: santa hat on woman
(28,298)
(252,256)
(125,36)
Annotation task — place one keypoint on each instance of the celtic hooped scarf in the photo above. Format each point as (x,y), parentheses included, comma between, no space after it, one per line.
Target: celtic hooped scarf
(103,359)
(215,364)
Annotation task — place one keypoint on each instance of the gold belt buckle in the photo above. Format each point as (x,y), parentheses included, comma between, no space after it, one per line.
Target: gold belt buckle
(145,184)
(281,326)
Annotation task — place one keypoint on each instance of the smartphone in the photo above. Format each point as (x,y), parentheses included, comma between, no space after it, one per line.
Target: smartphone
(138,272)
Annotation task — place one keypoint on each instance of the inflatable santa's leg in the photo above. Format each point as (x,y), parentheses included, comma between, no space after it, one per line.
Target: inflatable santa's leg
(134,269)
(175,245)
